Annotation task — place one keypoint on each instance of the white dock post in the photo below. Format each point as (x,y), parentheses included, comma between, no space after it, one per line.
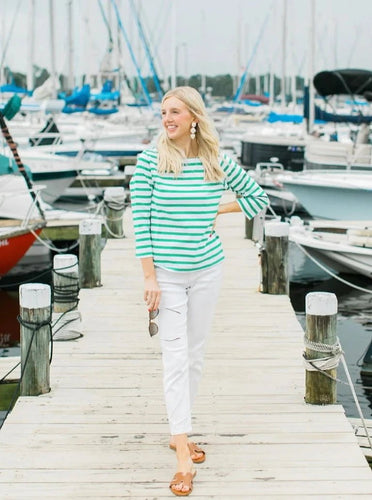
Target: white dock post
(90,253)
(66,317)
(35,313)
(321,348)
(114,203)
(274,258)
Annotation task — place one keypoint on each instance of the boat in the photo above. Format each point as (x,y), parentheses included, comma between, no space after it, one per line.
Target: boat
(15,241)
(286,143)
(281,200)
(332,194)
(344,246)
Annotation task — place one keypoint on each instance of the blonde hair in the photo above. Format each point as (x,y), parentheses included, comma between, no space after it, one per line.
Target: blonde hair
(171,157)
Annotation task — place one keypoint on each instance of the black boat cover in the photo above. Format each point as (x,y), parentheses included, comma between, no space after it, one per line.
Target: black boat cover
(343,81)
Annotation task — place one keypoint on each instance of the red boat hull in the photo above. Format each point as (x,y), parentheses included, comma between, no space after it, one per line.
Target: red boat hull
(13,248)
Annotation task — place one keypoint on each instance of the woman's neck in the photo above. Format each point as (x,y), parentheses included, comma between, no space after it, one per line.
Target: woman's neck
(189,149)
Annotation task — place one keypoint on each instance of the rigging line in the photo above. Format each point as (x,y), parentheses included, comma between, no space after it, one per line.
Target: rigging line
(352,388)
(9,36)
(108,27)
(160,31)
(133,57)
(366,290)
(147,49)
(245,74)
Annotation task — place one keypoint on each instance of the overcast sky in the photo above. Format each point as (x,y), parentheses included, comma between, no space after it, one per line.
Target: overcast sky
(212,36)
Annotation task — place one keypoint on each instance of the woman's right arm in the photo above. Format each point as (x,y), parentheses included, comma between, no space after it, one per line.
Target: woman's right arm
(151,288)
(141,198)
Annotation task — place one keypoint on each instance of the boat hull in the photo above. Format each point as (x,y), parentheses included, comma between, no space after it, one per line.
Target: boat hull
(13,246)
(331,201)
(338,255)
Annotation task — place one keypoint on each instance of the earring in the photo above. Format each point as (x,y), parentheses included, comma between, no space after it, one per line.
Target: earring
(193,130)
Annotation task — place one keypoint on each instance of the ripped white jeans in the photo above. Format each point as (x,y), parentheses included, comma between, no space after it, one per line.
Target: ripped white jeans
(186,310)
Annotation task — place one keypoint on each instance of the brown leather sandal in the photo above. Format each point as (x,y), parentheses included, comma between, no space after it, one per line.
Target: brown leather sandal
(186,479)
(194,449)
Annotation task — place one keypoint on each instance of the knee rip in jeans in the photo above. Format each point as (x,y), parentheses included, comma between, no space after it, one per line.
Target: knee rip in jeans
(173,339)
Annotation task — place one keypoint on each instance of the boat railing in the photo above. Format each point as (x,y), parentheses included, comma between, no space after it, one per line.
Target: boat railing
(34,200)
(338,154)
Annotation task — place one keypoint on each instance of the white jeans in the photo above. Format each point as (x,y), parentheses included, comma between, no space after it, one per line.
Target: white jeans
(186,310)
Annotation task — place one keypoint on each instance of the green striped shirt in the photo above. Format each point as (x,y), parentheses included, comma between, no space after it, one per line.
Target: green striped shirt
(173,216)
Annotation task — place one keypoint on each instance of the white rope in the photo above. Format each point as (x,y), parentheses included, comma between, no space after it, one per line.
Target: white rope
(330,272)
(325,363)
(352,388)
(67,325)
(48,245)
(330,362)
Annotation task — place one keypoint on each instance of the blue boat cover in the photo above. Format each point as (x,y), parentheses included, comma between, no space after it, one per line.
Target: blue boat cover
(79,97)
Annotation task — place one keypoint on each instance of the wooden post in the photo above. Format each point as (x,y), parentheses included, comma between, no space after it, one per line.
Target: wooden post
(114,200)
(66,317)
(276,257)
(35,312)
(249,228)
(65,283)
(321,322)
(90,253)
(258,226)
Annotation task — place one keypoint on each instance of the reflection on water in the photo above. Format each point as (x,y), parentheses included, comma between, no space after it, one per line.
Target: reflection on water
(354,326)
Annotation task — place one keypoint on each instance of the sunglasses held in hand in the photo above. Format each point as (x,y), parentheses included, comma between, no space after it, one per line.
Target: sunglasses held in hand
(153,327)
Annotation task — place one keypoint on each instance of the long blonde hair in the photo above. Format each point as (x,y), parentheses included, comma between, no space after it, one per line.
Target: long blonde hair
(171,157)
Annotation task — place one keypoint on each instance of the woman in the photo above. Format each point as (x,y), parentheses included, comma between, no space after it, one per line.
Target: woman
(176,192)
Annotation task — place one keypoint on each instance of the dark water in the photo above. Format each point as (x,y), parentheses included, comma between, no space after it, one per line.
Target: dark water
(354,325)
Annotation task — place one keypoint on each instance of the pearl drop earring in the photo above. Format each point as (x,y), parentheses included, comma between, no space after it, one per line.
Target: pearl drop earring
(193,130)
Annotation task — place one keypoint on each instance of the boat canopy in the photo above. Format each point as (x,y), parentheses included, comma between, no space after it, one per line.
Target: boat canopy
(343,81)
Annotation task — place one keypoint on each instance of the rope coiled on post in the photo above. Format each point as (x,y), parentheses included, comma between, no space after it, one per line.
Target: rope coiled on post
(34,327)
(325,363)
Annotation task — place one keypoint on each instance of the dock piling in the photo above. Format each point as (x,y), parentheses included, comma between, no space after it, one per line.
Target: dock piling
(35,319)
(66,317)
(90,253)
(321,348)
(274,258)
(114,202)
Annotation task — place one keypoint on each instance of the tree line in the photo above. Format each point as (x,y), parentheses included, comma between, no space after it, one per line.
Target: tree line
(219,86)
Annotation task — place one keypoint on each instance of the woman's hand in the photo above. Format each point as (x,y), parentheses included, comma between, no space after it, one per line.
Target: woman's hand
(152,293)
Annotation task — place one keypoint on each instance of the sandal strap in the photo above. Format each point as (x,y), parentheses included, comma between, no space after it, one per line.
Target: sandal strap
(194,448)
(181,477)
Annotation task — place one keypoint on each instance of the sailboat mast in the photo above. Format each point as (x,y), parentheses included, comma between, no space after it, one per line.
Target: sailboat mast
(173,45)
(31,48)
(284,55)
(70,81)
(52,47)
(310,123)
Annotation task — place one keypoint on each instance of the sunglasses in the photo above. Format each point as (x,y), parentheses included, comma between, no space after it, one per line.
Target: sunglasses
(153,327)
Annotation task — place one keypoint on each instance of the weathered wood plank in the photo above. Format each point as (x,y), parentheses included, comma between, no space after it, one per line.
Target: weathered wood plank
(102,432)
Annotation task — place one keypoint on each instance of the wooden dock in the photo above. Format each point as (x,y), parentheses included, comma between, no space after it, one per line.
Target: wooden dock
(102,431)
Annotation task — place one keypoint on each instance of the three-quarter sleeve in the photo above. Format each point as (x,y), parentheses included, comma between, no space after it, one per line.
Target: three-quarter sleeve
(141,193)
(251,197)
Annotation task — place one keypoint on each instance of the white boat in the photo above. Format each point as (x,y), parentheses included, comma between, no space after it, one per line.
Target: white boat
(266,175)
(345,247)
(16,201)
(341,195)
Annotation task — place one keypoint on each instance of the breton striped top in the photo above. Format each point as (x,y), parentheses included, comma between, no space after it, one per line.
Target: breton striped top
(173,216)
